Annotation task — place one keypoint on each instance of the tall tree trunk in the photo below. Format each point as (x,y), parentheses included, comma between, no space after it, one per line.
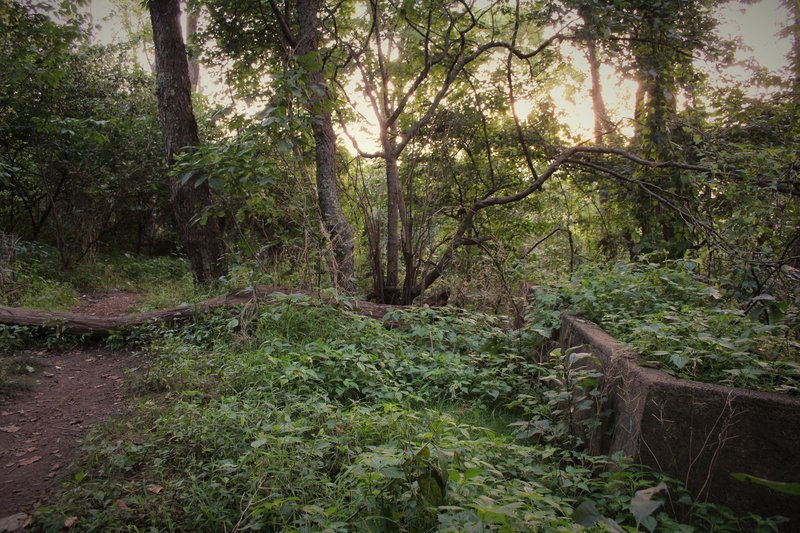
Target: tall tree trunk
(192,19)
(203,243)
(337,225)
(662,228)
(794,62)
(638,112)
(392,225)
(602,124)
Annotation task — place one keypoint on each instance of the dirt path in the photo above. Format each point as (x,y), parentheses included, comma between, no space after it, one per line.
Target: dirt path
(40,430)
(107,303)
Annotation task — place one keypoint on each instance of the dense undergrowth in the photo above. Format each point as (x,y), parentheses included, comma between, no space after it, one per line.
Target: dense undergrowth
(680,323)
(35,279)
(300,416)
(294,415)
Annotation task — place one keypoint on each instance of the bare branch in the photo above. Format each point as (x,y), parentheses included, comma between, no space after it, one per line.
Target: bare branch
(567,156)
(283,24)
(453,73)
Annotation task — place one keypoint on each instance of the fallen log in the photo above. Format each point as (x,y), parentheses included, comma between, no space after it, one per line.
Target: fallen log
(98,327)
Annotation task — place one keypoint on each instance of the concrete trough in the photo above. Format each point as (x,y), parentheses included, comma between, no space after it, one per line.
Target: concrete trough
(699,433)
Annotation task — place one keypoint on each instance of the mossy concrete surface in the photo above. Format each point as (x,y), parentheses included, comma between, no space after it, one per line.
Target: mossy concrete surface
(699,433)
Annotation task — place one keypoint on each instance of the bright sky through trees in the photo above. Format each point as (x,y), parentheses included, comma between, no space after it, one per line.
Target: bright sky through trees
(755,25)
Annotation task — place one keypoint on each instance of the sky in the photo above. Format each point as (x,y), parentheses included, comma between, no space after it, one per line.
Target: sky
(756,25)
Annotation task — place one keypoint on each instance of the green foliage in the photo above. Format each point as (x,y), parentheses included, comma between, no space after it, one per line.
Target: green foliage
(779,486)
(295,415)
(675,320)
(78,165)
(34,279)
(42,293)
(301,416)
(30,278)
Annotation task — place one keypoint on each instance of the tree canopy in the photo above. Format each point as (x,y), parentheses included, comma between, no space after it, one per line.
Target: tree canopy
(390,146)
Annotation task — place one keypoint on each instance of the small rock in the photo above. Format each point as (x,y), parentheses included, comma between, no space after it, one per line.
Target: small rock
(15,522)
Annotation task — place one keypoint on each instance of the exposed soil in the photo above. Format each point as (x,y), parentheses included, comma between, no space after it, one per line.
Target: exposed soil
(107,303)
(40,429)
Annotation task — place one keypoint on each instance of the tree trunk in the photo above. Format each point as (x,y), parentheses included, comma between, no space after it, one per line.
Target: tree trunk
(337,225)
(638,112)
(794,62)
(602,124)
(202,242)
(392,225)
(662,228)
(192,18)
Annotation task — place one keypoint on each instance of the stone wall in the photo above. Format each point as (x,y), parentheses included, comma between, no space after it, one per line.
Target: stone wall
(699,433)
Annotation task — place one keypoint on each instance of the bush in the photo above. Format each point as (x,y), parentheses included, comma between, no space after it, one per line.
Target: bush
(675,320)
(300,416)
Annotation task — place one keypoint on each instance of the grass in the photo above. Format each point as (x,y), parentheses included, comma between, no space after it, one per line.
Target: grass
(306,417)
(37,280)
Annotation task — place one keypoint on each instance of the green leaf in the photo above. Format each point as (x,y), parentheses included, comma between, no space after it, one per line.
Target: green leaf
(779,486)
(392,472)
(186,177)
(284,146)
(473,472)
(200,180)
(678,360)
(587,515)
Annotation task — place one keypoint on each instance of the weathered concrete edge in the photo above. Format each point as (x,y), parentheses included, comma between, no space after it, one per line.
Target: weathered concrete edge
(697,432)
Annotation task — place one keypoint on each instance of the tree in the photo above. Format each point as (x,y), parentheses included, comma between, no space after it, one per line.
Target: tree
(192,21)
(438,41)
(283,39)
(202,242)
(78,165)
(594,24)
(792,30)
(663,39)
(341,232)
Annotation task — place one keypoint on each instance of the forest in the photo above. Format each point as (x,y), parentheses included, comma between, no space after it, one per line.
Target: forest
(307,262)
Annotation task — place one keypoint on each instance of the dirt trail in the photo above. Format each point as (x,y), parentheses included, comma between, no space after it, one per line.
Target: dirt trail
(40,430)
(107,303)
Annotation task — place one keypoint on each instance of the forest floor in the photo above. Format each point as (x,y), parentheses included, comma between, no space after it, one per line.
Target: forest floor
(71,391)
